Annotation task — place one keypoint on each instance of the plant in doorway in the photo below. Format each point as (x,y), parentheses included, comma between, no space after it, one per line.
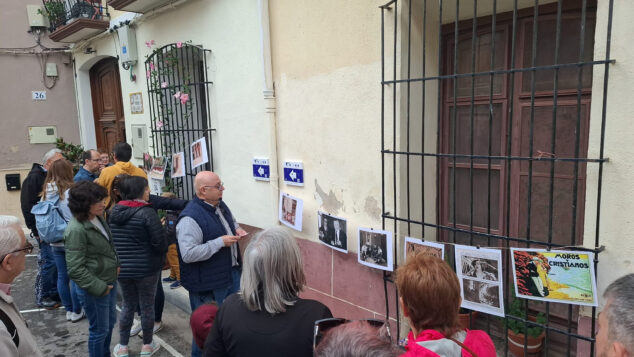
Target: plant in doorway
(71,152)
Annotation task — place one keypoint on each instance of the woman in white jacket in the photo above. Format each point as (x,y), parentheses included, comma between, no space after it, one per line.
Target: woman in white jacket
(59,179)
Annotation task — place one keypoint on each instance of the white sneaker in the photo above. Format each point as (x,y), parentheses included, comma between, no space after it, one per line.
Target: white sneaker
(74,317)
(136,328)
(69,315)
(120,351)
(157,327)
(148,350)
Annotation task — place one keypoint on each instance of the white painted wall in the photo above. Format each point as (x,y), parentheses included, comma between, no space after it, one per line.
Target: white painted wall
(231,29)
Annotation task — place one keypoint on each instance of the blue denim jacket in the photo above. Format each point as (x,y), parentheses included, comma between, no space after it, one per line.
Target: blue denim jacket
(84,175)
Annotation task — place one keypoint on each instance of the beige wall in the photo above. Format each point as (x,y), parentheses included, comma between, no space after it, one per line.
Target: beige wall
(617,194)
(22,74)
(326,68)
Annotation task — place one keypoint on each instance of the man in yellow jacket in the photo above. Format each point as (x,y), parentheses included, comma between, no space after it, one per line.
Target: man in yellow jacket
(122,154)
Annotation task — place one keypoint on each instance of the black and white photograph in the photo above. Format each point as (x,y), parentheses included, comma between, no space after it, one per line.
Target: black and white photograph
(417,246)
(376,249)
(332,231)
(481,268)
(290,211)
(479,271)
(481,293)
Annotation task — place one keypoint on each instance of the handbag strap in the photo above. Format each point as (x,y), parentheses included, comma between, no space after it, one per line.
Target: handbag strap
(463,346)
(13,331)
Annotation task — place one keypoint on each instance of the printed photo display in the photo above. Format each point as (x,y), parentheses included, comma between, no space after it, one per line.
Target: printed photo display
(480,274)
(178,164)
(158,168)
(199,152)
(376,249)
(332,231)
(290,211)
(415,245)
(156,186)
(557,276)
(147,161)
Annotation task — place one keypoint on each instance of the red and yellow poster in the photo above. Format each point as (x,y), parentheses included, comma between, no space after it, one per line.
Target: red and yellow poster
(556,276)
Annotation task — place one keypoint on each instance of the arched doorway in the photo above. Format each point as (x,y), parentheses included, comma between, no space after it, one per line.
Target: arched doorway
(107,104)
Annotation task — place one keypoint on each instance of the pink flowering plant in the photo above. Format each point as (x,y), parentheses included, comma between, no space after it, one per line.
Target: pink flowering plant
(169,84)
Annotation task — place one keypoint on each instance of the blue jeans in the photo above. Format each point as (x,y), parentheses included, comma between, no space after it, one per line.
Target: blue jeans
(199,298)
(68,293)
(46,279)
(102,315)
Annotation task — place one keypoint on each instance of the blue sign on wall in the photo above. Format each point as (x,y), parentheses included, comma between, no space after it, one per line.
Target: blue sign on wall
(261,169)
(294,173)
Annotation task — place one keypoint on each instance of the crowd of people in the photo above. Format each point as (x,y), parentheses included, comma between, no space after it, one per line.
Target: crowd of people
(242,305)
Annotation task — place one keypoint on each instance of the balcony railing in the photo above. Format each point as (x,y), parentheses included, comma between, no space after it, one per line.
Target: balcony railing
(75,20)
(140,6)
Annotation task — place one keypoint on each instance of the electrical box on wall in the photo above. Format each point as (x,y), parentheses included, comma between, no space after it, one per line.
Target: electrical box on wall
(12,181)
(139,141)
(127,42)
(42,134)
(51,69)
(35,14)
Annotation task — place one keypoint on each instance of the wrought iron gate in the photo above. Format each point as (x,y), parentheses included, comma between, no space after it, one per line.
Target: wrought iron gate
(178,89)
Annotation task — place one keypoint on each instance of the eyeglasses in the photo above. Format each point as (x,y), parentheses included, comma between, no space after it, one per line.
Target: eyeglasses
(220,186)
(28,249)
(322,326)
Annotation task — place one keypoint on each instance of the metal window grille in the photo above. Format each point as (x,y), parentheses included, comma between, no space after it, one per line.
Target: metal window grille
(174,70)
(489,120)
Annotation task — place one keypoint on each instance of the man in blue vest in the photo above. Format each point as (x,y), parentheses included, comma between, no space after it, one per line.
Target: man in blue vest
(208,249)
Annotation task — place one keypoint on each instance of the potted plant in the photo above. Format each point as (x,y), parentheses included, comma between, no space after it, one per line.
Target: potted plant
(55,12)
(466,315)
(519,332)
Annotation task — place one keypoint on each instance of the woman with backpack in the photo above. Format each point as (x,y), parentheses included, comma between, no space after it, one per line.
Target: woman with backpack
(59,179)
(141,244)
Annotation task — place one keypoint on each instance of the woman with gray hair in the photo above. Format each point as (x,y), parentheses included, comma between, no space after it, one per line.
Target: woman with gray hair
(267,317)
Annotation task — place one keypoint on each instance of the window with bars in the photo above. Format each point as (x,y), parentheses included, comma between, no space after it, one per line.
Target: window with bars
(178,89)
(485,113)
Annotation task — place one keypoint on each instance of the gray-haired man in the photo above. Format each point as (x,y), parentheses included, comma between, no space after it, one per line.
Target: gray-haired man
(46,280)
(615,335)
(15,338)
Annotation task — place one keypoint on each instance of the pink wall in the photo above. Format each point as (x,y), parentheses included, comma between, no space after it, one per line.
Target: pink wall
(21,74)
(348,288)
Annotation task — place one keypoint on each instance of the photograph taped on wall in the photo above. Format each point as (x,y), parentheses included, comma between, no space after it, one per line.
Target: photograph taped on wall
(479,271)
(148,160)
(556,276)
(332,231)
(178,164)
(415,245)
(136,103)
(156,186)
(199,152)
(290,211)
(158,168)
(376,249)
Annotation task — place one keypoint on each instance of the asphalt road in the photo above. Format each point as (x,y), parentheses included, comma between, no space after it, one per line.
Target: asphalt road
(57,337)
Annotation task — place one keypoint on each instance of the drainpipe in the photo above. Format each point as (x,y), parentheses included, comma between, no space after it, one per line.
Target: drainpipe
(268,90)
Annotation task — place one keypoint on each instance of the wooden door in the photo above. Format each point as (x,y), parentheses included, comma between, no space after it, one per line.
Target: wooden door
(107,104)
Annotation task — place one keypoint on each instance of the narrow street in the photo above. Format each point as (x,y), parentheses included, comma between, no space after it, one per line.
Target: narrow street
(57,337)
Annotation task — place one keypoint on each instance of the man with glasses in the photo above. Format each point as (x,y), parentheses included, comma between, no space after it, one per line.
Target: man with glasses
(89,171)
(209,255)
(15,337)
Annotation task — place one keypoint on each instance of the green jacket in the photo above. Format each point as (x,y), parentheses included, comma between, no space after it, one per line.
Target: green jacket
(90,258)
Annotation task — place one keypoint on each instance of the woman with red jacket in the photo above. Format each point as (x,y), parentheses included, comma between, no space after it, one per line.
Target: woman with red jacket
(430,297)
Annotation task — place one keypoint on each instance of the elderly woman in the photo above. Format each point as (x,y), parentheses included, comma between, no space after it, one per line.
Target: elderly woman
(92,263)
(266,317)
(430,298)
